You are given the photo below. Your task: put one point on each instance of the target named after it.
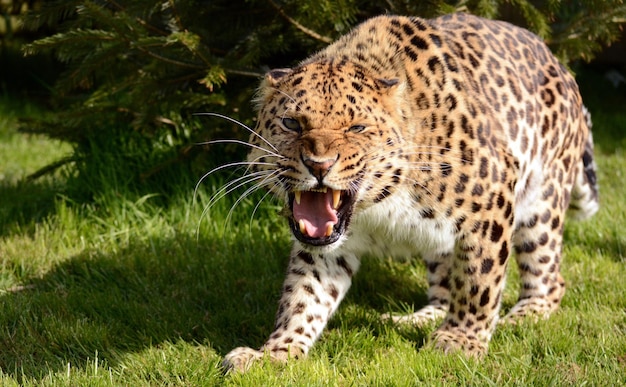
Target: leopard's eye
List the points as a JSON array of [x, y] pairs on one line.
[[357, 128], [292, 124]]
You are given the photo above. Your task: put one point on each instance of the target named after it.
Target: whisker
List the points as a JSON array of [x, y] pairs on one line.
[[270, 153], [210, 114], [256, 208], [229, 165], [235, 184], [286, 95], [229, 188], [268, 179], [295, 108]]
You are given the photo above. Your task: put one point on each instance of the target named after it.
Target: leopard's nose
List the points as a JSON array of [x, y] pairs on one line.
[[319, 168]]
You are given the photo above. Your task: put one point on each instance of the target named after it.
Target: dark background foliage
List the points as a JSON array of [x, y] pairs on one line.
[[130, 74]]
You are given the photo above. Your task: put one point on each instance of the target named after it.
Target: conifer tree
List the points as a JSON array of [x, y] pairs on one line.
[[147, 65]]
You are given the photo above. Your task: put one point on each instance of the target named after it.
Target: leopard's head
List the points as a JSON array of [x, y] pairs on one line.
[[329, 141]]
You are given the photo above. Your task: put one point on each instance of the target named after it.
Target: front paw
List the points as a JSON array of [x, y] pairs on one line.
[[422, 317], [457, 340], [241, 359]]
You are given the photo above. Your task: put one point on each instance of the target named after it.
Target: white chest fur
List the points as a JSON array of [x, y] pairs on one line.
[[396, 228]]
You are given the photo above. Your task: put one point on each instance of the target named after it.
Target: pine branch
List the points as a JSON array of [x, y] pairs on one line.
[[244, 73], [50, 168], [169, 60], [139, 20], [299, 26], [536, 20]]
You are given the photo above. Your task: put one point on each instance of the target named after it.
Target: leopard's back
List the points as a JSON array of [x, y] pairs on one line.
[[484, 68]]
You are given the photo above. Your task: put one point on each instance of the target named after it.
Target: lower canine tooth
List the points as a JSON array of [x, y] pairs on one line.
[[302, 227], [329, 230]]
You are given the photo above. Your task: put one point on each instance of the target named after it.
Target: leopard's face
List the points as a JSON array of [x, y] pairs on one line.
[[333, 145]]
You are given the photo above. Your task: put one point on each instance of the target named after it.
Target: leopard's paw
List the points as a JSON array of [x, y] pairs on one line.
[[241, 359], [456, 340], [533, 309], [422, 317]]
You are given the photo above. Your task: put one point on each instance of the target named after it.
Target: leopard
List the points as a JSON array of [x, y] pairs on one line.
[[457, 140]]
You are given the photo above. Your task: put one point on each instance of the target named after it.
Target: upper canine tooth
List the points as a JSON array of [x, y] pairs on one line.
[[336, 198], [298, 196]]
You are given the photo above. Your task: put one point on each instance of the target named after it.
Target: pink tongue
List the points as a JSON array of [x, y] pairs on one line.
[[316, 210]]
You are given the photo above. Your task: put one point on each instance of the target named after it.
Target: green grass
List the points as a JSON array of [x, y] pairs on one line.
[[118, 283]]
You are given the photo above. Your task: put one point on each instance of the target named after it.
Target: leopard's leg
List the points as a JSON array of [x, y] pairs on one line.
[[438, 267], [538, 242], [477, 280], [314, 287]]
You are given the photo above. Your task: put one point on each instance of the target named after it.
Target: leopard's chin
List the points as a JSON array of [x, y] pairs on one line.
[[319, 217]]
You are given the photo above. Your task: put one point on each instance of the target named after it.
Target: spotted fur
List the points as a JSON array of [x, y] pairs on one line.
[[457, 139]]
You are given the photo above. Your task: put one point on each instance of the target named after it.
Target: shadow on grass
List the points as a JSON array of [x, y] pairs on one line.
[[136, 298], [217, 293], [25, 203], [606, 103]]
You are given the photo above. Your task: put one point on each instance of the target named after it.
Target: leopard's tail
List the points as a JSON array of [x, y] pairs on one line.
[[584, 199]]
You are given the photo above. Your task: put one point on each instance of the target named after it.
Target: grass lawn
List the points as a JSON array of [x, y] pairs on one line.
[[136, 287]]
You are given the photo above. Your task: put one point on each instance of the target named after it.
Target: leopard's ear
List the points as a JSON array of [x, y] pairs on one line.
[[273, 76], [392, 87], [268, 84], [395, 90], [387, 83]]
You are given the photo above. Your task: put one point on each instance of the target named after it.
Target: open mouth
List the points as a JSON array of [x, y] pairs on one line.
[[320, 216]]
